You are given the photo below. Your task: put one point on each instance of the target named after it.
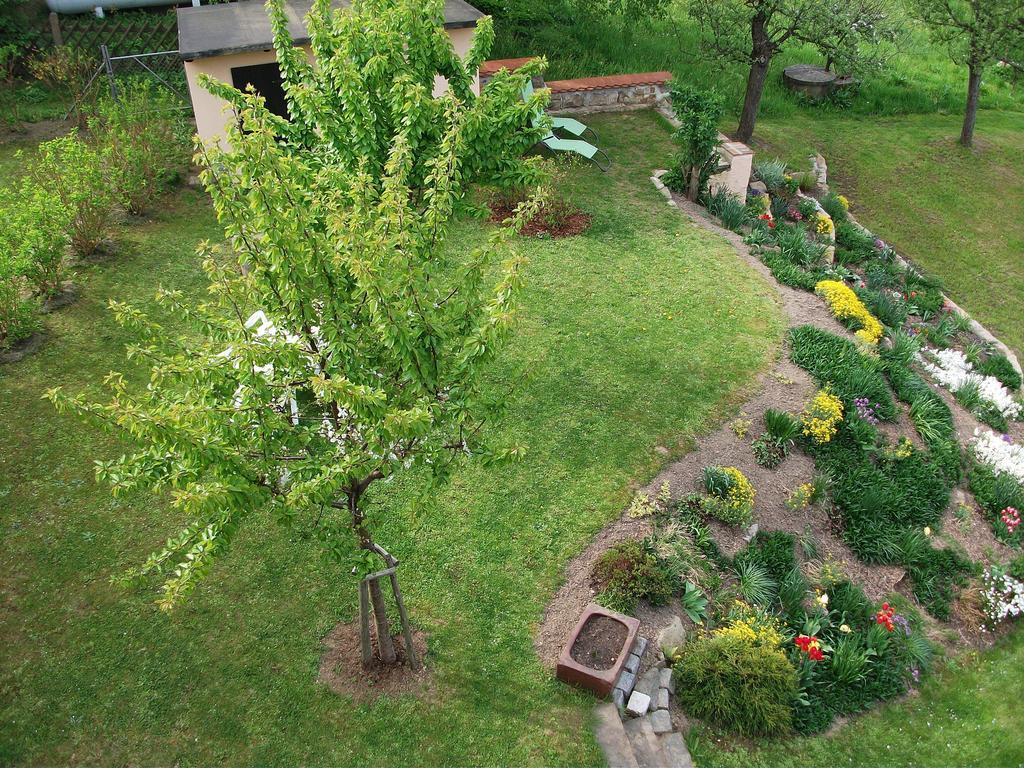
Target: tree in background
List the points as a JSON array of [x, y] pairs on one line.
[[345, 338], [752, 32], [978, 33]]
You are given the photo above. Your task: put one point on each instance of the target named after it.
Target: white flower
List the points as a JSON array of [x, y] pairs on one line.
[[1005, 458], [823, 599], [949, 367]]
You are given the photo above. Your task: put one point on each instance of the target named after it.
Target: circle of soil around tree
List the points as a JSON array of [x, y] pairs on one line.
[[568, 224], [599, 643], [342, 670]]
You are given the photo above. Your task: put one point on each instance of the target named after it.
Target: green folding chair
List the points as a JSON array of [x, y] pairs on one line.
[[595, 155], [567, 124]]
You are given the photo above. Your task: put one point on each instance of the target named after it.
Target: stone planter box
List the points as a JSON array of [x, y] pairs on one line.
[[599, 681]]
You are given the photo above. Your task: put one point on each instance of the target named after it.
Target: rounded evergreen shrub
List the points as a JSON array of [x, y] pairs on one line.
[[738, 683], [628, 573]]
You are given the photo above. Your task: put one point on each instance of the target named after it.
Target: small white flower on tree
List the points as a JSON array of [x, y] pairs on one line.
[[375, 328]]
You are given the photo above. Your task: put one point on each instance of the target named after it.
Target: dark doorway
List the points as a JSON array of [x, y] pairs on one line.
[[266, 79]]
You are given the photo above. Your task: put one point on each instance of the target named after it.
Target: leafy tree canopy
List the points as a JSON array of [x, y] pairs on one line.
[[344, 337]]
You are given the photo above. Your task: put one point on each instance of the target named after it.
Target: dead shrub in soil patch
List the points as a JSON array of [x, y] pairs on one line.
[[556, 218], [342, 671]]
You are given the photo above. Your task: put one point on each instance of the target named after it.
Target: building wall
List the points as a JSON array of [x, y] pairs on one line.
[[213, 115]]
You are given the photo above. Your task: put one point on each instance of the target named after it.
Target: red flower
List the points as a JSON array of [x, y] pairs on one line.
[[809, 645], [815, 654], [884, 617]]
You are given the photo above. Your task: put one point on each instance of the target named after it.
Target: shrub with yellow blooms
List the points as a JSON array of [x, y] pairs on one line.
[[850, 310]]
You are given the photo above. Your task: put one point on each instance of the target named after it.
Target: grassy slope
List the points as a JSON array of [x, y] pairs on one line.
[[640, 332], [957, 213], [963, 716]]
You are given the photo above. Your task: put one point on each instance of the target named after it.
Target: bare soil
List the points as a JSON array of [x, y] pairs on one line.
[[570, 224], [342, 671], [599, 643]]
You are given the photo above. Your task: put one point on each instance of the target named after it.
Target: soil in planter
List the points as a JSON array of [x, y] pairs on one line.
[[599, 643]]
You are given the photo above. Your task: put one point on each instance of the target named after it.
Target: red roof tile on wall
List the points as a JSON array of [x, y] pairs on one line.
[[609, 81]]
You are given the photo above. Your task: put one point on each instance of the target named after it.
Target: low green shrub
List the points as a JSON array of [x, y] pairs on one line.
[[35, 236], [754, 583], [144, 142], [999, 366], [74, 173], [737, 683], [836, 209], [891, 311], [996, 491], [837, 361], [626, 574], [19, 316], [728, 208], [774, 551], [730, 495], [790, 274], [796, 247]]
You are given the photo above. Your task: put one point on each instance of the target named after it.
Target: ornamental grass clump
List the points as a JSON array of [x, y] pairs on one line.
[[850, 310], [821, 418], [730, 495]]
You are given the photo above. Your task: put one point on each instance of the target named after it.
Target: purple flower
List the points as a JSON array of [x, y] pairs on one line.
[[880, 244], [1008, 439], [901, 621], [866, 410], [916, 674]]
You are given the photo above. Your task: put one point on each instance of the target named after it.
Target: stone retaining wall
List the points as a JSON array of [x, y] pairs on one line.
[[611, 99]]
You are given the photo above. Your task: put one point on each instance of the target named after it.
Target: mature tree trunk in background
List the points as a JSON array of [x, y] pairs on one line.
[[761, 51], [971, 113]]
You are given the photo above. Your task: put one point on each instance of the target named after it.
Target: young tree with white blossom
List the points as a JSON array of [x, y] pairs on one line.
[[344, 335]]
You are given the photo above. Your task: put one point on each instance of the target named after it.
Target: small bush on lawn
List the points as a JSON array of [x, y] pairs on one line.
[[144, 142], [738, 679], [18, 313], [730, 495], [74, 173], [628, 573], [836, 361], [34, 235], [999, 365], [774, 551]]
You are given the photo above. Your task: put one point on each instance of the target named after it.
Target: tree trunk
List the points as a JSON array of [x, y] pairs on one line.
[[761, 51], [693, 191], [971, 113], [385, 645]]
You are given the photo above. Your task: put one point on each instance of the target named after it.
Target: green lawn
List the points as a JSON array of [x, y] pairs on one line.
[[957, 213], [640, 333], [965, 716]]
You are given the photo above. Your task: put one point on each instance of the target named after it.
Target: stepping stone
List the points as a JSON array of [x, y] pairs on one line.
[[661, 721], [638, 704], [640, 646], [673, 748], [612, 738], [661, 701], [619, 699], [665, 681], [649, 682], [627, 681], [645, 744]]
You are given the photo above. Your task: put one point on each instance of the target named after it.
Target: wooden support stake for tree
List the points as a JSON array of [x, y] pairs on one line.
[[410, 650], [364, 623]]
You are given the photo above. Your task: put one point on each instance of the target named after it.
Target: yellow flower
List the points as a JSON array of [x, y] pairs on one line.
[[848, 309], [821, 418], [824, 224], [843, 202], [823, 599], [845, 629]]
